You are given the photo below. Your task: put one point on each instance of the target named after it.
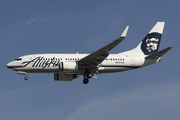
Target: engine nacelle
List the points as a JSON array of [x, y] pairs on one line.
[[64, 77], [69, 66]]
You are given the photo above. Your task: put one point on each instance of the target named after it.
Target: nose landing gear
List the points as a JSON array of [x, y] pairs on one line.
[[23, 73], [26, 77]]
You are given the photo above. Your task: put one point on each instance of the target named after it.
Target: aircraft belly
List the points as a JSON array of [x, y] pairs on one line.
[[40, 70], [113, 69], [47, 70]]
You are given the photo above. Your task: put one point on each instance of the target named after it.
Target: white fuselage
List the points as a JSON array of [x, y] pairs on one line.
[[50, 63]]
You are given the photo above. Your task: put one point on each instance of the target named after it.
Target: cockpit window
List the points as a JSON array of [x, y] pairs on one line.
[[18, 59]]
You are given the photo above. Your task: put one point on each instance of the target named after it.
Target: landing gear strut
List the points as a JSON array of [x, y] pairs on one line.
[[89, 75]]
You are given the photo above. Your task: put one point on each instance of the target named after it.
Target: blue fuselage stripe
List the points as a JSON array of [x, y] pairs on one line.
[[119, 66]]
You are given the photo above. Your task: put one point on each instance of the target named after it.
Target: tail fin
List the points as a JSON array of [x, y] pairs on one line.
[[150, 44]]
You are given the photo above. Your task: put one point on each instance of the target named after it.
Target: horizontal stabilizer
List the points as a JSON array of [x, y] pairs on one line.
[[158, 54]]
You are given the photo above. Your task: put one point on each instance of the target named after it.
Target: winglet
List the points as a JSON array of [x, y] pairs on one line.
[[123, 35]]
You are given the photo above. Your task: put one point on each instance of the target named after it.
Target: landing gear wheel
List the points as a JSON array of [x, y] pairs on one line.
[[85, 81], [26, 77]]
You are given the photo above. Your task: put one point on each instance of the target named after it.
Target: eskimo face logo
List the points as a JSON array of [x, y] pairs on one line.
[[152, 44]]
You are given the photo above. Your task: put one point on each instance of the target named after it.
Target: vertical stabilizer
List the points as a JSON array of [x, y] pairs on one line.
[[150, 44]]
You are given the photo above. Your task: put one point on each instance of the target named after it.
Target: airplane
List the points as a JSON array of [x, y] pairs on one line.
[[67, 67]]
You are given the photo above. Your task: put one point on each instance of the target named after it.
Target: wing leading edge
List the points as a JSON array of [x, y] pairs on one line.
[[92, 60]]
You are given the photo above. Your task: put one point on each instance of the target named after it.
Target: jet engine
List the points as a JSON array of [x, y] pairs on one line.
[[64, 77], [68, 66]]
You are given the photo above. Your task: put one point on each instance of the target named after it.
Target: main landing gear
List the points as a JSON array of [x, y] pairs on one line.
[[85, 81], [87, 75]]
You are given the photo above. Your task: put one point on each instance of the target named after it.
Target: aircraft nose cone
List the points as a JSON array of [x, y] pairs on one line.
[[9, 65]]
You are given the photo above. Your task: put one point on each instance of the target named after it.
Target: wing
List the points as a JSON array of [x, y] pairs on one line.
[[92, 60]]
